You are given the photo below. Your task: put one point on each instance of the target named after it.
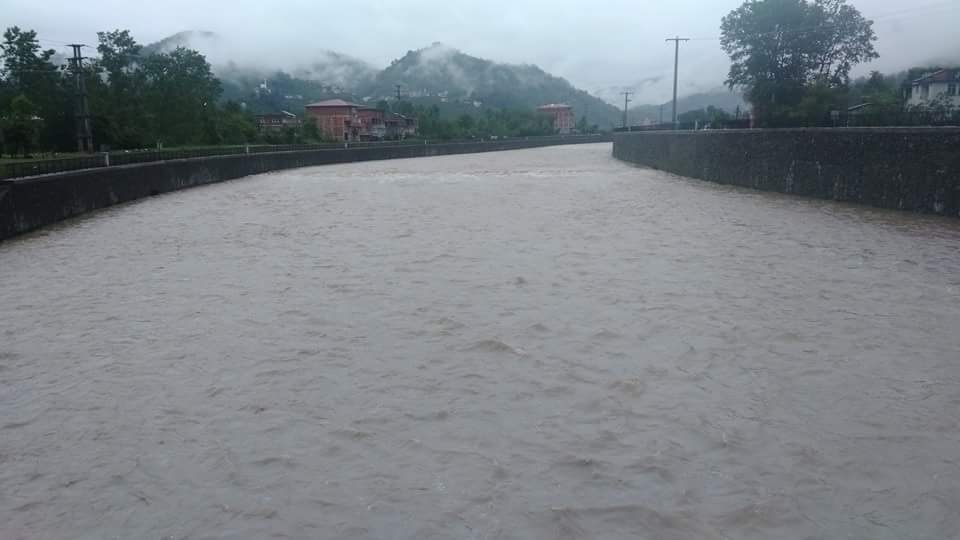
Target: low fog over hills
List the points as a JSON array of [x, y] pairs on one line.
[[438, 73]]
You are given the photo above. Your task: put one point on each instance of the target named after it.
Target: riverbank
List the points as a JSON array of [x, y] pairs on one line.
[[30, 203], [914, 169]]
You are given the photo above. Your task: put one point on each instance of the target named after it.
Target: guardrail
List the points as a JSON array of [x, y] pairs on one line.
[[833, 120], [23, 169]]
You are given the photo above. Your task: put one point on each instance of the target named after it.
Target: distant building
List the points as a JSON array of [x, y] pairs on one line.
[[263, 89], [336, 119], [372, 127], [280, 121], [346, 121], [399, 126], [940, 85], [562, 115]]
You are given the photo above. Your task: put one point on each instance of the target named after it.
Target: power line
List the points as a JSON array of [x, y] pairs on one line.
[[55, 41], [60, 42]]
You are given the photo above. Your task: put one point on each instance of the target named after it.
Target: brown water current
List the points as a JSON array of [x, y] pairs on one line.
[[532, 344]]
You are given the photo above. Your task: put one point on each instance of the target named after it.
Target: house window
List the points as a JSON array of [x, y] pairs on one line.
[[951, 89]]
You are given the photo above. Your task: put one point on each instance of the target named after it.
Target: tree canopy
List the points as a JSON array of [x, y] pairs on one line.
[[137, 100], [779, 49]]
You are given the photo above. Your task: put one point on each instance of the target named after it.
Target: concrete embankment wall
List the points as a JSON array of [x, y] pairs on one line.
[[916, 169], [30, 203]]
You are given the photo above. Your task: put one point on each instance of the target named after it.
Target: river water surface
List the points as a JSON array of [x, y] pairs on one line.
[[533, 344]]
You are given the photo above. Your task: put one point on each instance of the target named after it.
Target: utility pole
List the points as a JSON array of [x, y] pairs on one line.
[[676, 67], [398, 87], [82, 106], [626, 102], [661, 114]]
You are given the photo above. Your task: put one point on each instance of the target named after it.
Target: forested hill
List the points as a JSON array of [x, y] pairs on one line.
[[200, 40], [446, 73], [457, 82], [723, 99]]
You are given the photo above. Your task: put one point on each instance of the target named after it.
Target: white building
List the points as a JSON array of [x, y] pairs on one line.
[[941, 85]]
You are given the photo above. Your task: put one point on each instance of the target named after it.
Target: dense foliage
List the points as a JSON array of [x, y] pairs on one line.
[[136, 100], [492, 123], [457, 77], [790, 56], [144, 97]]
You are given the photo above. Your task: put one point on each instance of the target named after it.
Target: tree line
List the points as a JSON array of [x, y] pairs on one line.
[[793, 58], [171, 99], [136, 100], [432, 124]]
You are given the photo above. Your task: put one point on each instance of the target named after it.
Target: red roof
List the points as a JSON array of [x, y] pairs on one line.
[[333, 103], [944, 75]]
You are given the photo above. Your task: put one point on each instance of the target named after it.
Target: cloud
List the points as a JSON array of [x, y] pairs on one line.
[[603, 44]]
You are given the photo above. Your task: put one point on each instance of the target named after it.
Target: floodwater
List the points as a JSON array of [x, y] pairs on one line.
[[533, 344]]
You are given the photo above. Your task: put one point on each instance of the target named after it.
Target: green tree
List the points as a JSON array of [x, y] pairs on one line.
[[842, 38], [234, 125], [465, 125], [121, 106], [21, 127], [779, 48], [29, 70], [407, 109], [884, 96], [582, 125], [817, 104], [309, 131], [709, 116], [181, 94], [119, 54], [877, 84]]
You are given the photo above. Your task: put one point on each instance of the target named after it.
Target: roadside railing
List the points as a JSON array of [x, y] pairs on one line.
[[23, 169], [831, 120]]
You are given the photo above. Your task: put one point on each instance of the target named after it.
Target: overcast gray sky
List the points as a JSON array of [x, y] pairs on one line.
[[599, 45]]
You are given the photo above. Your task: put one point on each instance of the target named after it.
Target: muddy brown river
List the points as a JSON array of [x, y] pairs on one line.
[[533, 344]]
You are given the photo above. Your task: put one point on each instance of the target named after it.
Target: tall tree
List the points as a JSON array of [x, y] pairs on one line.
[[27, 67], [779, 48], [29, 71], [235, 126], [181, 94], [119, 55], [120, 108], [21, 127], [842, 38]]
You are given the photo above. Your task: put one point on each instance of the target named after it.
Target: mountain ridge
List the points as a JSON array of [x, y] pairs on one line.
[[435, 74], [719, 98], [449, 74]]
